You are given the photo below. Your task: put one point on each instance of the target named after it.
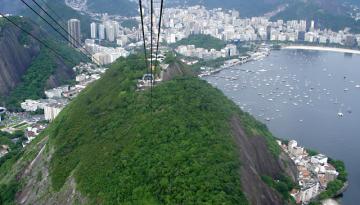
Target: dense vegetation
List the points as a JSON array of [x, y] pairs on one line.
[[113, 7], [8, 191], [190, 159], [46, 63], [335, 186], [181, 153], [130, 23], [14, 141], [33, 82], [283, 185], [323, 18], [202, 41]]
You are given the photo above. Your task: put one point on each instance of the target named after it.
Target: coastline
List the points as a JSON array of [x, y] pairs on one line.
[[257, 55], [319, 48]]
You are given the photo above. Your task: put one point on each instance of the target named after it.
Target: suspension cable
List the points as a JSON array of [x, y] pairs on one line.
[[159, 30], [40, 41], [151, 67], [52, 10], [54, 28], [151, 40], [62, 28], [143, 33]]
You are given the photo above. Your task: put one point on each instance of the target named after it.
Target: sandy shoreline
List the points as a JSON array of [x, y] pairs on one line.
[[318, 48]]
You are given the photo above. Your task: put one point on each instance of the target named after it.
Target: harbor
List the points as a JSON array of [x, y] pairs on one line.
[[298, 94]]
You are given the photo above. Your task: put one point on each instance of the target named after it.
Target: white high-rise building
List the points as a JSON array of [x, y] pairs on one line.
[[110, 32], [116, 26], [93, 30], [101, 31], [51, 111], [74, 32], [312, 27]]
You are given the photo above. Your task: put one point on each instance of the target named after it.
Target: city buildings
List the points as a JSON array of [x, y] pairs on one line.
[[101, 32], [4, 150], [56, 92], [93, 30], [74, 32], [2, 111], [58, 98], [191, 51], [314, 172], [52, 110], [179, 23]]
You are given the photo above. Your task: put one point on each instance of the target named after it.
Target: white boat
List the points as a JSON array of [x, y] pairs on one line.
[[340, 114]]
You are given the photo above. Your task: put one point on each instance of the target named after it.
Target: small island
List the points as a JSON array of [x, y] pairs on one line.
[[319, 177]]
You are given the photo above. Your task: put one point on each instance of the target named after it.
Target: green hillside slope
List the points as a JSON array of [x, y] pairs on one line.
[[202, 41], [114, 7], [107, 147], [179, 154]]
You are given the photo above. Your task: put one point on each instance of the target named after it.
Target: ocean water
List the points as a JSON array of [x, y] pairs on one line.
[[310, 96]]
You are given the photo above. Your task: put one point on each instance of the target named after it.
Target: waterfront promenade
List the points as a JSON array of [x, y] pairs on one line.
[[319, 48]]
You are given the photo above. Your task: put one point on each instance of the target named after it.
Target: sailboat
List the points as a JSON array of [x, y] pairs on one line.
[[340, 114]]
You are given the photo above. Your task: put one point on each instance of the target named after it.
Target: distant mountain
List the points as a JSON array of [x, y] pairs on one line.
[[63, 11], [326, 13], [117, 7], [11, 6]]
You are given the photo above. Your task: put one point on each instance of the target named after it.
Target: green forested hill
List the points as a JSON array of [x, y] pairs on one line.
[[121, 152], [116, 145], [202, 41], [114, 7], [181, 153]]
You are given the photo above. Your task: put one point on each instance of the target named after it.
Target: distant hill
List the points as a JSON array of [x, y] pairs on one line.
[[63, 11], [327, 14], [26, 67], [117, 7], [109, 147], [11, 6], [202, 41]]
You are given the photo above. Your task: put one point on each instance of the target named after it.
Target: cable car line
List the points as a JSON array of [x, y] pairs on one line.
[[159, 30], [143, 33], [40, 41], [62, 28], [62, 35]]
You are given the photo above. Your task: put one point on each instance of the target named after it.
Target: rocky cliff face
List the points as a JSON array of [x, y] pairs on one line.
[[257, 161], [15, 57], [18, 51]]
